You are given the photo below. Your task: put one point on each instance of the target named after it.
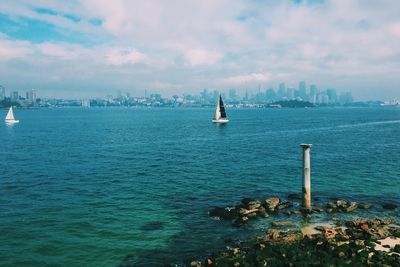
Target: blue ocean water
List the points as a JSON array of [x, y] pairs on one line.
[[132, 186]]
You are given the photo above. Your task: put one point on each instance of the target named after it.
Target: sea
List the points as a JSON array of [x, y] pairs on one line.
[[133, 186]]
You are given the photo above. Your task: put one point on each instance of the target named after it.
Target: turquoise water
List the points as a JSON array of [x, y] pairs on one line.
[[118, 186]]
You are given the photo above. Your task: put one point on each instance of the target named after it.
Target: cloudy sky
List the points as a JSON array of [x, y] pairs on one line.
[[84, 48]]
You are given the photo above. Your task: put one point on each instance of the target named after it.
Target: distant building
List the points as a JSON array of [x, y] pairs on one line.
[[14, 96], [313, 96], [332, 96], [270, 94], [86, 103], [2, 93], [345, 98], [282, 91], [232, 95], [31, 96], [302, 90], [290, 93]]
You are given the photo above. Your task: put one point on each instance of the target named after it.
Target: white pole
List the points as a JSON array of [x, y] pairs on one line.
[[306, 176]]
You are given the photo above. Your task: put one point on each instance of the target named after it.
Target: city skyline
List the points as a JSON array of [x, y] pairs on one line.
[[303, 92], [92, 48]]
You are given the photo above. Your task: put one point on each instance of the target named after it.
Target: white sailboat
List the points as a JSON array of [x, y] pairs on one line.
[[220, 114], [10, 117]]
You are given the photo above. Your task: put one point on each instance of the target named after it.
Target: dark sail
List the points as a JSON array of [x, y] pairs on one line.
[[222, 108]]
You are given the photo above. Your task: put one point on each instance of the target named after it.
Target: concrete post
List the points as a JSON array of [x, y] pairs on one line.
[[306, 176]]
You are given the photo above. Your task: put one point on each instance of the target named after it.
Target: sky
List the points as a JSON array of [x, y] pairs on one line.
[[92, 48]]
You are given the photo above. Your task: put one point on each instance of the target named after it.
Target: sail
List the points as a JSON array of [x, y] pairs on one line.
[[221, 108], [217, 112], [10, 115]]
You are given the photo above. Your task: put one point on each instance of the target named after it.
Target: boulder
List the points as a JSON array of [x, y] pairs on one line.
[[262, 212], [271, 203], [255, 204], [246, 211], [209, 262], [195, 264], [351, 207], [284, 205]]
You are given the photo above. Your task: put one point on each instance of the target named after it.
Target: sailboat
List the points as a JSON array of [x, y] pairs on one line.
[[10, 117], [220, 114]]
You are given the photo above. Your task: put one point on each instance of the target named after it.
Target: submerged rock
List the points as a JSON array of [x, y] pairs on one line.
[[152, 226], [365, 206], [389, 206], [223, 213]]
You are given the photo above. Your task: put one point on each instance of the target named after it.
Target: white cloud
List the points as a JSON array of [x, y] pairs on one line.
[[123, 56], [197, 57], [13, 49], [206, 43], [248, 78]]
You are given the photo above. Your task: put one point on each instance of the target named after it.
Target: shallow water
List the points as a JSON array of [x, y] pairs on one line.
[[104, 187]]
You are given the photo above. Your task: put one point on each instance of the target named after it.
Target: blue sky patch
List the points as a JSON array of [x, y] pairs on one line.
[[37, 31]]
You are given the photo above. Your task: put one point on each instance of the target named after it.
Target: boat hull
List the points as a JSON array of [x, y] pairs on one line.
[[11, 121], [220, 121]]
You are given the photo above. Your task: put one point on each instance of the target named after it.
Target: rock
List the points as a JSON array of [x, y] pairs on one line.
[[235, 251], [262, 212], [281, 237], [292, 236], [389, 206], [284, 205], [359, 242], [253, 204], [247, 200], [271, 203], [195, 264], [240, 221], [246, 212], [252, 215], [342, 204], [223, 213], [317, 209], [283, 224], [365, 206], [209, 262], [351, 207]]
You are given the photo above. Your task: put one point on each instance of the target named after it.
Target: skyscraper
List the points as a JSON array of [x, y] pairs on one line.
[[14, 96], [282, 90], [302, 90], [2, 93], [332, 95], [31, 96], [313, 96], [290, 93]]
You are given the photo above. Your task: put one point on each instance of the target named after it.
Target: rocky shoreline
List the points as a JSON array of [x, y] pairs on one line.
[[356, 242]]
